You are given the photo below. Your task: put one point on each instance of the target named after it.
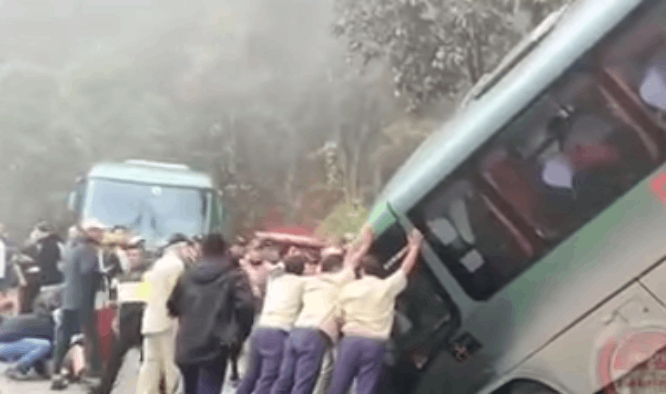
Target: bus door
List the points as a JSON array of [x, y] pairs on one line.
[[425, 318]]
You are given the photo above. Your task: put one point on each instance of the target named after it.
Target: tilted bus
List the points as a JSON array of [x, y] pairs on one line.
[[543, 205]]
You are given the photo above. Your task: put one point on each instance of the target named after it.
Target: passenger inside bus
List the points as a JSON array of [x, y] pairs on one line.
[[653, 86], [555, 168], [636, 63], [464, 226]]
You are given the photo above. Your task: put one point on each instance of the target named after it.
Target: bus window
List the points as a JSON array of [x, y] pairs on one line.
[[473, 237], [635, 63], [543, 176]]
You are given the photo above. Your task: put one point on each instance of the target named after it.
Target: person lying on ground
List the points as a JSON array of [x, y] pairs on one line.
[[27, 340], [32, 353], [39, 324]]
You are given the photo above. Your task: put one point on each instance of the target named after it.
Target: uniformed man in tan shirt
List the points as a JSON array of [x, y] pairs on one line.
[[157, 327], [366, 309], [316, 329], [282, 304]]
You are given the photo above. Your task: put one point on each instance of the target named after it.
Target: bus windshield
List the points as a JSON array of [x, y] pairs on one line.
[[154, 211]]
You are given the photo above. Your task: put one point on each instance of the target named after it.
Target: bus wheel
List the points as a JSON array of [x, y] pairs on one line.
[[523, 386]]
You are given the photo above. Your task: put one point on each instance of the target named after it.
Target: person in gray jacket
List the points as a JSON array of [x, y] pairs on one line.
[[81, 281]]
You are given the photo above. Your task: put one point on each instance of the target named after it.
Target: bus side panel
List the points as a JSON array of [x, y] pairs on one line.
[[655, 281], [577, 360]]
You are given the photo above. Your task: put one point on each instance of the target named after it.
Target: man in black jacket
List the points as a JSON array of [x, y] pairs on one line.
[[45, 247], [214, 304]]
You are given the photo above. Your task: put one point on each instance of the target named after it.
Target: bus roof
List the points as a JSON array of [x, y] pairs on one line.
[[145, 172], [446, 149]]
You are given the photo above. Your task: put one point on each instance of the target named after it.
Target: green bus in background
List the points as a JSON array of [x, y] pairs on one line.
[[543, 206], [152, 199]]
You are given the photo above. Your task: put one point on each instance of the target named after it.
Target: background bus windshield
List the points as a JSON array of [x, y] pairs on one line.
[[151, 210]]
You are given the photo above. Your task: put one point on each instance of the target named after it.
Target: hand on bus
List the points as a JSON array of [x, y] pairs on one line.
[[359, 249], [413, 250], [415, 239]]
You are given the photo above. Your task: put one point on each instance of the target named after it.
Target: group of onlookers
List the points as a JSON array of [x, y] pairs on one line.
[[324, 312]]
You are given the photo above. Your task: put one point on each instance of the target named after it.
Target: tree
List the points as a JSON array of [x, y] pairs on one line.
[[435, 48]]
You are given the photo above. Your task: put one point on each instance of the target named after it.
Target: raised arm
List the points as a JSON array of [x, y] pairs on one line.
[[413, 250], [359, 248]]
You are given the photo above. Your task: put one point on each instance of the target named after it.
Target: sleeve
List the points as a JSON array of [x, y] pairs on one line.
[[173, 303], [244, 305], [86, 263], [343, 277], [396, 283], [275, 271]]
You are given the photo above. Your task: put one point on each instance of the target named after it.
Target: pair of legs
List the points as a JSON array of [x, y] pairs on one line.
[[266, 349], [303, 355], [205, 378], [326, 372], [128, 337], [360, 359], [158, 360], [26, 353], [72, 320]]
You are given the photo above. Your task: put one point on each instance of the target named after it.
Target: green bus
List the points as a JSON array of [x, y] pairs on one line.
[[543, 206], [150, 198]]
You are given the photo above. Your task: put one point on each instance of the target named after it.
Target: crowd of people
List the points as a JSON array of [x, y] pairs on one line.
[[312, 317]]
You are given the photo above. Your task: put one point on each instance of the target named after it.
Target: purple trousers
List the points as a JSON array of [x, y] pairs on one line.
[[360, 359], [266, 348], [303, 354]]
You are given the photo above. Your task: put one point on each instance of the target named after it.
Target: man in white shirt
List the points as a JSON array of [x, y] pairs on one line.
[[366, 308], [316, 330], [157, 326], [282, 304]]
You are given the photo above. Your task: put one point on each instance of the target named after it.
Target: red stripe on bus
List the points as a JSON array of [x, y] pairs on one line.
[[658, 186]]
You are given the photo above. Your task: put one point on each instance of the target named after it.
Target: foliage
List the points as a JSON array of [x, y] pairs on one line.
[[344, 219], [243, 93], [435, 47]]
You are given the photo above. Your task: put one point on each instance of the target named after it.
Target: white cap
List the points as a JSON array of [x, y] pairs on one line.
[[93, 224]]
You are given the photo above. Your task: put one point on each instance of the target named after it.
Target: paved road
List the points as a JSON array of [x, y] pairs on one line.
[[125, 384]]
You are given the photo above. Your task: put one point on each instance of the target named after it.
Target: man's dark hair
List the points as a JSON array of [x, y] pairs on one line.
[[44, 226], [372, 266], [271, 253], [213, 245], [331, 263], [295, 264]]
